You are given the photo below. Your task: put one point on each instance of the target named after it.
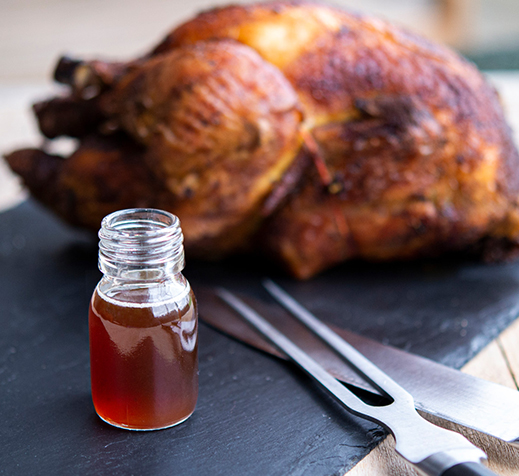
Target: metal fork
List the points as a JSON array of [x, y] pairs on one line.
[[431, 449]]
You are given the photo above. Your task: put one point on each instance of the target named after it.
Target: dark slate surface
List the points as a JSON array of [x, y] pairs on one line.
[[255, 415]]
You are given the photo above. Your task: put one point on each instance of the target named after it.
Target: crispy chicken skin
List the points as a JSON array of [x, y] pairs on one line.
[[315, 134], [220, 126]]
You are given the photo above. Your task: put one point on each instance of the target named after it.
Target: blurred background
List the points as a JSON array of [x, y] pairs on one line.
[[34, 33]]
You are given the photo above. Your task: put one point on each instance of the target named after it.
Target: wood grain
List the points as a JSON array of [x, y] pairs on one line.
[[509, 346]]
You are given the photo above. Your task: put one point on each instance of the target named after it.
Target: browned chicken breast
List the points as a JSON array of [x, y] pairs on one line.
[[311, 133]]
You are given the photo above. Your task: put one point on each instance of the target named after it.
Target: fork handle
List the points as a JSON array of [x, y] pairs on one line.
[[468, 469]]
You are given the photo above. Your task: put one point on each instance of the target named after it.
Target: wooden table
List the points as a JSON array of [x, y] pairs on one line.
[[498, 362]]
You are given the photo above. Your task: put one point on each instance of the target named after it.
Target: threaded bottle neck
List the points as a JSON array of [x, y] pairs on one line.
[[140, 244]]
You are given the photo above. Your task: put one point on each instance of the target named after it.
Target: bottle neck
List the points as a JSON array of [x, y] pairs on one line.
[[140, 245]]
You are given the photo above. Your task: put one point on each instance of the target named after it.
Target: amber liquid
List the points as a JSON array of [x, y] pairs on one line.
[[144, 362]]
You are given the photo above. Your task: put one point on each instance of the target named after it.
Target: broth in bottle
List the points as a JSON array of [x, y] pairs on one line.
[[143, 324]]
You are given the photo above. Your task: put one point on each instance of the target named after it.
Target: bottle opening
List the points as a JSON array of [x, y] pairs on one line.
[[139, 239], [139, 220]]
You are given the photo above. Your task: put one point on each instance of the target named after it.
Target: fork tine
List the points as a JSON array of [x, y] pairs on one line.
[[357, 361], [299, 356]]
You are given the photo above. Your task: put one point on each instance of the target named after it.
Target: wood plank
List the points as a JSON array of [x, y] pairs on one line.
[[509, 344], [383, 461], [491, 365]]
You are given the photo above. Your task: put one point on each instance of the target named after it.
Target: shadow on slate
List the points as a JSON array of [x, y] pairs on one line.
[[255, 414]]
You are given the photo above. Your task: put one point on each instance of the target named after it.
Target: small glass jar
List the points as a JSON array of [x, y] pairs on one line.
[[143, 324]]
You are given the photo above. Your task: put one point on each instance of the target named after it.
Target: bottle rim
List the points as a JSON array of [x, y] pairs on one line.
[[138, 238], [139, 221]]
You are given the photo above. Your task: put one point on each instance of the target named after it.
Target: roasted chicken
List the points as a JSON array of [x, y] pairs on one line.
[[307, 132]]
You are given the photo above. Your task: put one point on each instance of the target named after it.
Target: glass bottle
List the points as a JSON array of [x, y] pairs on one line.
[[143, 324]]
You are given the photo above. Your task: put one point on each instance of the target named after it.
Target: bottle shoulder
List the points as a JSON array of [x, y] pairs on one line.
[[143, 306], [143, 293]]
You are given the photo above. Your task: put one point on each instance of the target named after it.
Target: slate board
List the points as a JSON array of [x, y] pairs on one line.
[[255, 414]]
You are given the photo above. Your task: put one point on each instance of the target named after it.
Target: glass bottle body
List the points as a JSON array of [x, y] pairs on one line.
[[143, 346]]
